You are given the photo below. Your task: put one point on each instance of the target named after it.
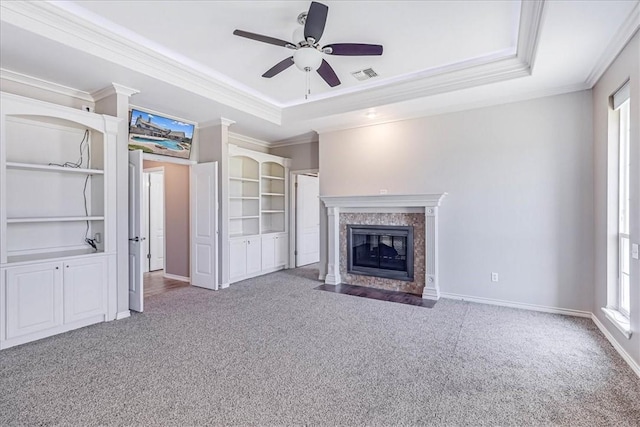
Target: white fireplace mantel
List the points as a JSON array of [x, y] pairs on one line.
[[386, 203]]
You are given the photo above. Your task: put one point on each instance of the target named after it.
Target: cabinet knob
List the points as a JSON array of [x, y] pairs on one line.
[[67, 266], [57, 268]]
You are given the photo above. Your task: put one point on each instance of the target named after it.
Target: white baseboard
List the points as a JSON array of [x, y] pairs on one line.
[[123, 315], [554, 310], [224, 285], [176, 277], [524, 306], [634, 365]]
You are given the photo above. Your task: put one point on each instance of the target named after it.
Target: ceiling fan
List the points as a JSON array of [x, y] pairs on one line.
[[308, 53]]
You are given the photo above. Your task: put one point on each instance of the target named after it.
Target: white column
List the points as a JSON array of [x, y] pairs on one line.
[[431, 286], [333, 232]]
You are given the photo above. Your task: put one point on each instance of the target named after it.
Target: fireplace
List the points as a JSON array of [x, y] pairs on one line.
[[380, 250]]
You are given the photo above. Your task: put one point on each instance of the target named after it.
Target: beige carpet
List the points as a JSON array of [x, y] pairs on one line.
[[273, 351]]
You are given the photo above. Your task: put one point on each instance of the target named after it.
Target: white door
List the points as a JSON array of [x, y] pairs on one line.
[[136, 292], [156, 221], [282, 251], [307, 220], [204, 225], [145, 221], [268, 252]]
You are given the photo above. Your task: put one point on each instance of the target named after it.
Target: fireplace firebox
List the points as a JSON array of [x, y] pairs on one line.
[[381, 251]]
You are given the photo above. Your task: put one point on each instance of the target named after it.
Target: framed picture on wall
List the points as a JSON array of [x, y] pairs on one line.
[[160, 135]]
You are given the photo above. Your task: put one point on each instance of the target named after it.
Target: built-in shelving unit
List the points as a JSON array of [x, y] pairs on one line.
[[57, 189], [258, 213]]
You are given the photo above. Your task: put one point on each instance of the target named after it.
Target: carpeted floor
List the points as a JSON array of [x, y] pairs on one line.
[[273, 351]]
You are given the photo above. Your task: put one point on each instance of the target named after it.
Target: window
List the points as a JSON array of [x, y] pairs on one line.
[[623, 209], [618, 304]]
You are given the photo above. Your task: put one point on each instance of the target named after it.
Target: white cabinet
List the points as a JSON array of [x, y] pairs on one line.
[[258, 213], [84, 288], [274, 251], [43, 299], [33, 298], [57, 218], [245, 258]]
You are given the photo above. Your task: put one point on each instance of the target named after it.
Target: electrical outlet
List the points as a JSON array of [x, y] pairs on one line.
[[383, 191], [97, 238], [494, 277]]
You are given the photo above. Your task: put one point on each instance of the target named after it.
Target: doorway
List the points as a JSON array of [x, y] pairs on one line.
[[305, 221], [153, 222]]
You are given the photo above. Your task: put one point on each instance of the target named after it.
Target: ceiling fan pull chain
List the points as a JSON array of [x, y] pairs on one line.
[[308, 92]]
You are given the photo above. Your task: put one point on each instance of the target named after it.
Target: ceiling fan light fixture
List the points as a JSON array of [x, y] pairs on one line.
[[307, 58]]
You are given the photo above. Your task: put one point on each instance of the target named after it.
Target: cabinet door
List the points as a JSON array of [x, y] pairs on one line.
[[237, 258], [34, 298], [268, 252], [254, 259], [85, 286], [282, 246]]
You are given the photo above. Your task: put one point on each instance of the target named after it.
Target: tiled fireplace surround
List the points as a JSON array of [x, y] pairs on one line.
[[417, 210]]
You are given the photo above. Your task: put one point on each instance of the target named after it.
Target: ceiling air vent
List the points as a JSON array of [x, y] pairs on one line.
[[365, 74]]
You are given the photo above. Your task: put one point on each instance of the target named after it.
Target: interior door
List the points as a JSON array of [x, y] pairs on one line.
[[307, 220], [136, 291], [204, 225], [145, 222], [156, 221]]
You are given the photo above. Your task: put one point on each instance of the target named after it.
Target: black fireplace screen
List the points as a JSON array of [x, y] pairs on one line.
[[381, 251]]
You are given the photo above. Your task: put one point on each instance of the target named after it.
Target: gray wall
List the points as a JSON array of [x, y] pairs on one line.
[[176, 208], [303, 156], [520, 184], [626, 66]]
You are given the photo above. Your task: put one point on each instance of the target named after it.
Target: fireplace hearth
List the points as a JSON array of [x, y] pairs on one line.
[[380, 251]]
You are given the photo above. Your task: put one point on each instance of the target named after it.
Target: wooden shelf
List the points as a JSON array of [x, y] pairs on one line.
[[273, 211], [273, 194], [54, 219], [51, 168], [244, 198], [244, 217], [280, 178]]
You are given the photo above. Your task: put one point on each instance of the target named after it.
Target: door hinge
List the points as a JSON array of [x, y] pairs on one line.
[[295, 252], [148, 256]]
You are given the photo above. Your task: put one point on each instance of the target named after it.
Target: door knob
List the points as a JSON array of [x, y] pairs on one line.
[[137, 239]]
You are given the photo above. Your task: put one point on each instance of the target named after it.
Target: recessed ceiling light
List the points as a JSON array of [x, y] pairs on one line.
[[370, 114]]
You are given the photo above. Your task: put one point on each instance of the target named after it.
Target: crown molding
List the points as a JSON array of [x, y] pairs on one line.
[[296, 140], [52, 21], [618, 42], [249, 140], [217, 122], [45, 85], [531, 16], [114, 89], [434, 111]]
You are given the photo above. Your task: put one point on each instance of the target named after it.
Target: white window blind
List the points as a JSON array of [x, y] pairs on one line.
[[621, 95]]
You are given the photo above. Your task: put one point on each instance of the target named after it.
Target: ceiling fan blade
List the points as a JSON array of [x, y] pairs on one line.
[[264, 39], [327, 73], [354, 49], [279, 67], [316, 18]]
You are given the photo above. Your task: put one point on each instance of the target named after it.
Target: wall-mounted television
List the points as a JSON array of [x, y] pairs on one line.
[[155, 134]]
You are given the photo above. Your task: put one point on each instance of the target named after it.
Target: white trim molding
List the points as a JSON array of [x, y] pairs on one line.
[[423, 203], [616, 318], [518, 305], [45, 85], [114, 89], [627, 358], [249, 140], [123, 315], [618, 42]]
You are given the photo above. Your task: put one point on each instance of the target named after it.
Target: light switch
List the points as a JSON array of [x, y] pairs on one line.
[[634, 250]]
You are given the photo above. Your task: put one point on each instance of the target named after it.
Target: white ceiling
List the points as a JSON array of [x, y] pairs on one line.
[[438, 55]]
